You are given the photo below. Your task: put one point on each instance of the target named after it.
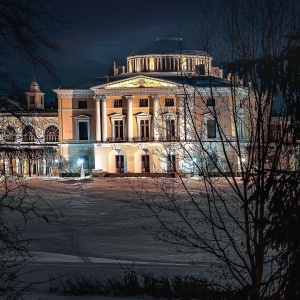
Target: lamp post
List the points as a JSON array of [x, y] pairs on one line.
[[80, 163]]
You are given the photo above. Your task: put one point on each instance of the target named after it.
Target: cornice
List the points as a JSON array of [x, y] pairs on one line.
[[74, 93], [136, 92]]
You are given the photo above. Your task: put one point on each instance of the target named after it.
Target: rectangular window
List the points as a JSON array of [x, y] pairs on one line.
[[211, 129], [31, 100], [210, 102], [170, 129], [83, 131], [171, 163], [169, 102], [143, 102], [275, 132], [119, 163], [145, 163], [119, 130], [144, 129], [118, 103], [82, 104]]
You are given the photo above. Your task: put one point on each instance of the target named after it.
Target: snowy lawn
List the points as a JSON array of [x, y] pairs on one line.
[[94, 228]]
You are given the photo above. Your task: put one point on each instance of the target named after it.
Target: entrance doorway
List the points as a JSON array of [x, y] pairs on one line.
[[145, 164], [119, 163]]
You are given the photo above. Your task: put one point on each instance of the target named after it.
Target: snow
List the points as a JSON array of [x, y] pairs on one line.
[[95, 229]]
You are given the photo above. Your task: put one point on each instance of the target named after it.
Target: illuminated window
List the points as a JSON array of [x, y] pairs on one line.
[[10, 134], [143, 102], [28, 134], [51, 134]]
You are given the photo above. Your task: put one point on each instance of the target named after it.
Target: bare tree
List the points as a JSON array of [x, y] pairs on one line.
[[240, 136], [24, 27]]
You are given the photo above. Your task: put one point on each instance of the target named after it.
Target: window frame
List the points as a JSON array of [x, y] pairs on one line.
[[118, 103], [143, 102], [209, 128], [82, 119], [82, 104], [171, 104]]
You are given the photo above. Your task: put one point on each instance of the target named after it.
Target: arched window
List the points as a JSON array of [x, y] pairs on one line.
[[51, 134], [10, 134], [28, 134]]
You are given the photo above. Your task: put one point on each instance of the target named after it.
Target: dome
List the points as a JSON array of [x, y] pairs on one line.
[[167, 54], [166, 45], [34, 86]]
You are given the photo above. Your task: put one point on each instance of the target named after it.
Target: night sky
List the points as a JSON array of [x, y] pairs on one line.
[[96, 33]]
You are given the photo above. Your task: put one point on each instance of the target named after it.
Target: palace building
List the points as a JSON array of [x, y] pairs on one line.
[[148, 119], [135, 121]]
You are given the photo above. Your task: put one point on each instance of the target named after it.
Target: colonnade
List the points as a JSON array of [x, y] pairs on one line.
[[165, 63], [101, 117]]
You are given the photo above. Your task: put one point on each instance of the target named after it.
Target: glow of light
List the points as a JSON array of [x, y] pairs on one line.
[[80, 162]]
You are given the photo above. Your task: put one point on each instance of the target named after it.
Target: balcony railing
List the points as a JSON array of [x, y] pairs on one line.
[[142, 139], [116, 140]]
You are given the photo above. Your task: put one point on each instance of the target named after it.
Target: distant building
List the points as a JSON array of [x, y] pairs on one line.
[[29, 136]]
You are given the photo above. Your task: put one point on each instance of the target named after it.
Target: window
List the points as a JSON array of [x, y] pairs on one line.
[[145, 164], [169, 102], [144, 127], [51, 134], [143, 102], [119, 163], [31, 101], [275, 132], [211, 129], [170, 129], [118, 103], [82, 104], [210, 102], [83, 130], [171, 163], [119, 132], [28, 134], [10, 134]]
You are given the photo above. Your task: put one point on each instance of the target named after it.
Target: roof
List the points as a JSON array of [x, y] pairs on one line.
[[167, 45]]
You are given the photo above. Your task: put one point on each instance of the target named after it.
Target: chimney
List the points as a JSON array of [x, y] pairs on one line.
[[121, 69], [112, 69]]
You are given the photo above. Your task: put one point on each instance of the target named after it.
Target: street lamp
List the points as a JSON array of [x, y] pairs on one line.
[[80, 163]]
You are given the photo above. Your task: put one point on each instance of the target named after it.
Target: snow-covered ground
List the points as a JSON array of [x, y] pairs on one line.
[[95, 229]]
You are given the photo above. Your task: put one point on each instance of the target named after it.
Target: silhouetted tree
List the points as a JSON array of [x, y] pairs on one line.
[[23, 38], [240, 221]]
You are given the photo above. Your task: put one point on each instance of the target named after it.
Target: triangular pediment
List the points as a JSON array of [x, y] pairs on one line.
[[137, 82]]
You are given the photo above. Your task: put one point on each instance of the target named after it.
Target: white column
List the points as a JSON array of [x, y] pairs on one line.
[[129, 116], [98, 120], [104, 119], [155, 120]]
